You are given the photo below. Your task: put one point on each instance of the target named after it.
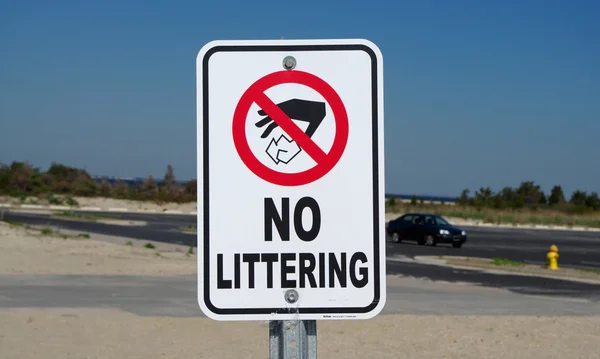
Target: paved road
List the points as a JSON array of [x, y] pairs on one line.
[[160, 228], [526, 285], [176, 296], [577, 249]]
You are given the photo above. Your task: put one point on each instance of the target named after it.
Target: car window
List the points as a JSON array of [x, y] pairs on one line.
[[418, 220], [430, 220], [408, 218], [441, 221]]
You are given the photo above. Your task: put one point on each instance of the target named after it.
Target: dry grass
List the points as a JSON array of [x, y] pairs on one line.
[[488, 215]]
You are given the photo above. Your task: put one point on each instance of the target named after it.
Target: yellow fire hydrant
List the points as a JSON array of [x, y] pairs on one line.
[[552, 257]]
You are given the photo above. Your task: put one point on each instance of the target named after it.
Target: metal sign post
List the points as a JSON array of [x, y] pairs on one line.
[[291, 217], [293, 339]]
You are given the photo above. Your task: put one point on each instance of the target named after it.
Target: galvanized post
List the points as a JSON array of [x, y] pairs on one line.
[[293, 339]]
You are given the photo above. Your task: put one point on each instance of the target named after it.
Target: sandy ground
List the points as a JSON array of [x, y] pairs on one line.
[[110, 203], [24, 251], [109, 333], [135, 205], [103, 333]]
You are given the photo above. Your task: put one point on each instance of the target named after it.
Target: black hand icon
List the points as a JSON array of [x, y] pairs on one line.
[[301, 110]]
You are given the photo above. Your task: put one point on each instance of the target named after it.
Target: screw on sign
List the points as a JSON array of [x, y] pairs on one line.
[[299, 153], [280, 115]]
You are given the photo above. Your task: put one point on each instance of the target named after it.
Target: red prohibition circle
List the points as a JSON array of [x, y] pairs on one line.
[[256, 93]]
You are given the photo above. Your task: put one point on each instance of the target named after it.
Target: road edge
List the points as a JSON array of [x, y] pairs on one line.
[[435, 260]]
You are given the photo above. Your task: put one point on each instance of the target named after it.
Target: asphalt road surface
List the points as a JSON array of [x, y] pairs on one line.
[[577, 249], [161, 228], [526, 285], [176, 296]]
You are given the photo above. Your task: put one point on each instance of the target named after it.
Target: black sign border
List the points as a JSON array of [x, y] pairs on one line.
[[205, 176]]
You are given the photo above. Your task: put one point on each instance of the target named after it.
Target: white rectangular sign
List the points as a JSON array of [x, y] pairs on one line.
[[290, 180]]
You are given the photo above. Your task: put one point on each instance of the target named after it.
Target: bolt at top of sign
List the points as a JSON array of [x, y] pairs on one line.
[[298, 142], [289, 63]]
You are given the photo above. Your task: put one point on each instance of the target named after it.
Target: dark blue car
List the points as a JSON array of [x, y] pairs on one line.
[[425, 229]]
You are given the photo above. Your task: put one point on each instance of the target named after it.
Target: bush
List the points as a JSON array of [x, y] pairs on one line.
[[22, 180], [413, 200], [53, 200]]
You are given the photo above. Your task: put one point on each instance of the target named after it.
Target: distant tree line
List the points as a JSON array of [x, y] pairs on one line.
[[22, 179], [528, 195]]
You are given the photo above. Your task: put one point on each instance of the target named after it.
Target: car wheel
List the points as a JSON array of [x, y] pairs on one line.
[[396, 237], [457, 245], [429, 240]]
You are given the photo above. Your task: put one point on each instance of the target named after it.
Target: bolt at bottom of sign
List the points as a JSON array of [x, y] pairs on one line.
[[291, 296]]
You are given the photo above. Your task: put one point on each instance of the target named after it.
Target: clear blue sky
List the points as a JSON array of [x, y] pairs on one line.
[[478, 93]]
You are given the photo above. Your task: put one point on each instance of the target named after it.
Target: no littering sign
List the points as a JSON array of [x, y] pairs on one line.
[[290, 180]]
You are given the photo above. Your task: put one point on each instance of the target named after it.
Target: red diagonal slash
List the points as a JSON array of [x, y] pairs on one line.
[[287, 125]]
